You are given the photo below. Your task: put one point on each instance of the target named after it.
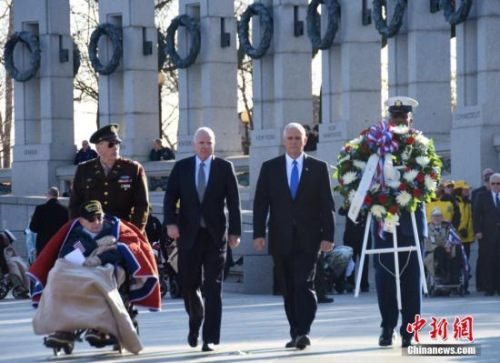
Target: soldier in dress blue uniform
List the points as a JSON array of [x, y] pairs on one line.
[[118, 183], [400, 113]]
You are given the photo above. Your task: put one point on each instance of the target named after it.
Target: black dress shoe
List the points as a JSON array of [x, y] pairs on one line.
[[291, 344], [405, 342], [193, 340], [206, 347], [324, 299], [302, 341], [386, 337]]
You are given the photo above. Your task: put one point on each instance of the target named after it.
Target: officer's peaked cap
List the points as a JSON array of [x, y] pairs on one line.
[[106, 133], [401, 104]]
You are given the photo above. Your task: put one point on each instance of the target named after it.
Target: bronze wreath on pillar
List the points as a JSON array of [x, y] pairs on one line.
[[392, 29], [314, 23], [115, 35], [194, 29], [32, 42], [460, 15], [266, 23]]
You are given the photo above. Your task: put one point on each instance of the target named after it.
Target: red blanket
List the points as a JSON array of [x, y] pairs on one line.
[[144, 289]]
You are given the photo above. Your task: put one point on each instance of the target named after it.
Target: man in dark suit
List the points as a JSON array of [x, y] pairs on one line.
[[48, 218], [487, 173], [295, 189], [203, 185], [487, 228], [400, 113]]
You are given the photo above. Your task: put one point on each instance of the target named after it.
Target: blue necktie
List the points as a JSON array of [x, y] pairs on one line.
[[294, 179], [497, 202]]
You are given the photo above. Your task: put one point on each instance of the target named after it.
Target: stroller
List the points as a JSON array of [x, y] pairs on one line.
[[450, 270], [165, 251], [18, 281], [332, 268], [166, 260]]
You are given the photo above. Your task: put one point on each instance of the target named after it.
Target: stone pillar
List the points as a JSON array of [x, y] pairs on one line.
[[208, 88], [351, 81], [398, 58], [429, 73], [129, 96], [282, 93], [476, 121], [282, 88], [351, 75], [44, 137], [488, 75]]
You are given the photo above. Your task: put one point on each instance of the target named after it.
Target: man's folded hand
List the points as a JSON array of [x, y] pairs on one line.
[[106, 241], [92, 261]]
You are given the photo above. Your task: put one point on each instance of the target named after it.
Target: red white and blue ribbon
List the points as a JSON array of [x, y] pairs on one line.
[[381, 136]]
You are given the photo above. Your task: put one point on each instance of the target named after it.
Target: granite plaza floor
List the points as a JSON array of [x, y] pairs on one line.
[[255, 330]]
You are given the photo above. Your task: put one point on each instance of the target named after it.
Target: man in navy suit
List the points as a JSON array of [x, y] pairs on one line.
[[400, 113], [203, 184], [295, 190], [487, 228]]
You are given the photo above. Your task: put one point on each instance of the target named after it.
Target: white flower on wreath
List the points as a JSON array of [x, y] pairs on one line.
[[345, 158], [349, 177], [405, 155], [422, 160], [378, 211], [359, 164], [393, 183], [375, 187], [410, 175], [356, 141], [400, 129], [351, 195], [404, 198], [430, 184], [422, 139]]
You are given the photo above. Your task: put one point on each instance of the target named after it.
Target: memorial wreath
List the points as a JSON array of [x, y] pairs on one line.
[[404, 170]]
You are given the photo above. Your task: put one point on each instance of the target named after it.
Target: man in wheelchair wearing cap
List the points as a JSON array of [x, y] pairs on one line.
[[79, 273]]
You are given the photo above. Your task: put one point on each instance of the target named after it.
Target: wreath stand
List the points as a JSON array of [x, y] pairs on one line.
[[395, 250]]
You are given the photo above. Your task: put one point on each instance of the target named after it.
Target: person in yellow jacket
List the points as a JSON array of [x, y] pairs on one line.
[[466, 227]]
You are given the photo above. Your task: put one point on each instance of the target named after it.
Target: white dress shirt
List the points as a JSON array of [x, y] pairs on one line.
[[289, 166], [495, 198]]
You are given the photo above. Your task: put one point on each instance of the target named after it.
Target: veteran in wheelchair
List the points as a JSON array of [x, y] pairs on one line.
[[88, 279]]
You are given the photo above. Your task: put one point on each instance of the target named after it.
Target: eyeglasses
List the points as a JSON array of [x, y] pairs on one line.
[[94, 219], [494, 183], [112, 144]]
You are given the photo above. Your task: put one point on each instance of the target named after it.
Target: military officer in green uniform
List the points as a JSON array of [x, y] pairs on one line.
[[118, 183]]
